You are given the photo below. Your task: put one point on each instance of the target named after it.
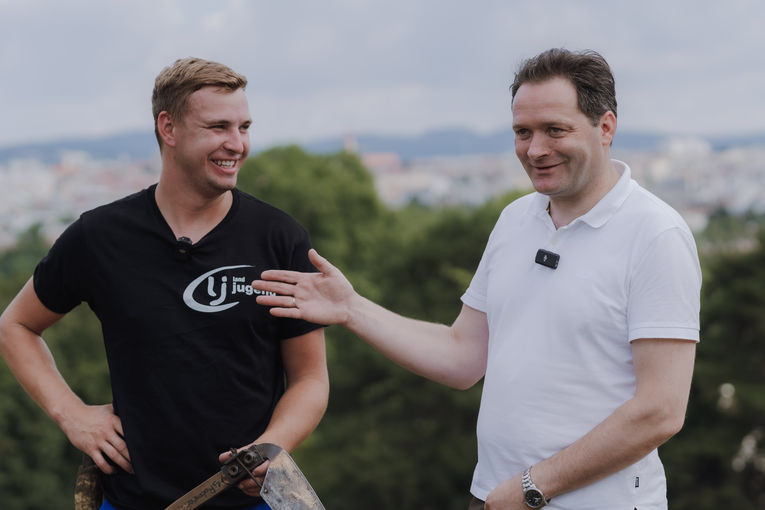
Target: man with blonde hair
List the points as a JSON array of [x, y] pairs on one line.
[[196, 365]]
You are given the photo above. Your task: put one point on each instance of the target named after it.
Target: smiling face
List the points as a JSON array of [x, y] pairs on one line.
[[564, 154], [211, 141]]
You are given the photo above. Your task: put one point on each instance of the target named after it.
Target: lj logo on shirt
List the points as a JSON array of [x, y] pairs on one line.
[[218, 290]]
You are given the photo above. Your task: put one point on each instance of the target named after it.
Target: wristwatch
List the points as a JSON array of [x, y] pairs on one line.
[[532, 496]]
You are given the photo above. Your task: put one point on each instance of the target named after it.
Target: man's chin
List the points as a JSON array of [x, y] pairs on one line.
[[544, 186], [219, 187]]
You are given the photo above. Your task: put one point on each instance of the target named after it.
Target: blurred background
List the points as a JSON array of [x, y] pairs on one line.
[[384, 128]]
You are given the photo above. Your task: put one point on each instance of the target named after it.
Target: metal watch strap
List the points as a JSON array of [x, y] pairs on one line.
[[528, 487]]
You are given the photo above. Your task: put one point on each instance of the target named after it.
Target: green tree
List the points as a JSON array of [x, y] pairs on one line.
[[332, 196], [389, 439], [392, 439], [718, 460], [37, 463]]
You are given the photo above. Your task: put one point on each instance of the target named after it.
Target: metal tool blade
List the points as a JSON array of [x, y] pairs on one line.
[[285, 486]]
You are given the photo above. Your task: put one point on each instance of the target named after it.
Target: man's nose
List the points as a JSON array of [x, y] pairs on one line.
[[236, 141], [538, 147]]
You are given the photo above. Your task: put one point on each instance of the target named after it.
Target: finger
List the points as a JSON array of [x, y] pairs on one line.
[[277, 301], [276, 287], [260, 470], [280, 275], [269, 300], [101, 462], [249, 483], [120, 443], [320, 262], [120, 451], [289, 313], [251, 489], [116, 457]]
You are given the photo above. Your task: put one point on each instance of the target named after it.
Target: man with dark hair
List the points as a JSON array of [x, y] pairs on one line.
[[587, 71], [196, 365], [582, 317]]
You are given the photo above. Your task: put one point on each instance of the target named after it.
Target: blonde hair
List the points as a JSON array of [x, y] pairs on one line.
[[175, 83]]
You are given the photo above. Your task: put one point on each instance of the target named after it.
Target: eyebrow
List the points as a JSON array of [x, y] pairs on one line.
[[215, 122]]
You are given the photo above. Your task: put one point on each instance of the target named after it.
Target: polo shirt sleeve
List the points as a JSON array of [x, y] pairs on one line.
[[476, 294], [664, 291], [290, 328]]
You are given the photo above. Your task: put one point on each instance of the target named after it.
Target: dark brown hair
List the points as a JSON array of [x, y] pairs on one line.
[[587, 70]]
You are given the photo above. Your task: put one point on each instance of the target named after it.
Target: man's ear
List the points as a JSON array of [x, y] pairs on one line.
[[166, 128], [607, 125]]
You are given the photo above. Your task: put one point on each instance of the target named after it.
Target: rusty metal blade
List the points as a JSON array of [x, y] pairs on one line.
[[285, 486]]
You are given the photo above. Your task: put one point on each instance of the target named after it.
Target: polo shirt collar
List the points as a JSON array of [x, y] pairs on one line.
[[606, 207]]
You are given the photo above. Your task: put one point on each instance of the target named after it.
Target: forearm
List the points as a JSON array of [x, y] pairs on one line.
[[93, 429], [297, 413], [663, 369], [630, 433], [31, 362], [425, 348]]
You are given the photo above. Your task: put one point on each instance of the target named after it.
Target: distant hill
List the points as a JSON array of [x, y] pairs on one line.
[[440, 142], [133, 146], [457, 141]]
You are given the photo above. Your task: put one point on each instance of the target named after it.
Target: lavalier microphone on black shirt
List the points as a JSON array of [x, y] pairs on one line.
[[547, 258], [183, 248]]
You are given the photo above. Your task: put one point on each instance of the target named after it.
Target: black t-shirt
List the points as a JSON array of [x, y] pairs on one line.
[[194, 361]]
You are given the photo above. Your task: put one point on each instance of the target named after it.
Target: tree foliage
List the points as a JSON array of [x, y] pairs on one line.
[[391, 439], [721, 451], [37, 463]]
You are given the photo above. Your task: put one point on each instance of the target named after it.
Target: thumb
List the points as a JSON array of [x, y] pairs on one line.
[[320, 262]]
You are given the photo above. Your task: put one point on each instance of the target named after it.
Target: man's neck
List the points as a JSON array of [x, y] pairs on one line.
[[564, 210], [188, 214]]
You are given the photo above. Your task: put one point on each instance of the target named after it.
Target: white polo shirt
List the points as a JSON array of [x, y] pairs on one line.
[[560, 359]]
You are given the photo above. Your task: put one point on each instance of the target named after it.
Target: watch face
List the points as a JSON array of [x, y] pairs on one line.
[[534, 498]]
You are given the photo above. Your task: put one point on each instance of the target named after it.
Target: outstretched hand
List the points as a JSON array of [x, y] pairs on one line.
[[322, 298]]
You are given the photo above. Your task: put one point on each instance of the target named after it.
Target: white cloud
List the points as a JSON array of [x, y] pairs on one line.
[[325, 68]]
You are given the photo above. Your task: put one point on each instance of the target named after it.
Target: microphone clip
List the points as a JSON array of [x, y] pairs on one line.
[[183, 249], [547, 258]]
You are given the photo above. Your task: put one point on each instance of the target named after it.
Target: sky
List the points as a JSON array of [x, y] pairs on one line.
[[325, 68]]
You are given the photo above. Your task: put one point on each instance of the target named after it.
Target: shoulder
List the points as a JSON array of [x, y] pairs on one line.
[[655, 226], [522, 205], [253, 207], [523, 208], [647, 212], [130, 206]]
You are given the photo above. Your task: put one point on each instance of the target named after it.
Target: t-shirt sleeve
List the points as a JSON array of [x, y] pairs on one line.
[[664, 294], [291, 328], [59, 275]]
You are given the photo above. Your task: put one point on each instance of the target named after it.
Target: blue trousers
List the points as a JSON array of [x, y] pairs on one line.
[[263, 506]]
